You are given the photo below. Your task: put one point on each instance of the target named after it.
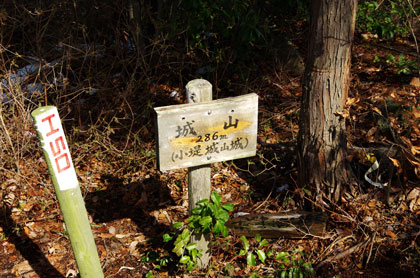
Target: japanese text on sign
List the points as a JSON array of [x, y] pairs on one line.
[[218, 143], [202, 133]]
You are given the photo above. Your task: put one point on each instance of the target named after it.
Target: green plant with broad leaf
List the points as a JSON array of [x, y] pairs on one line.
[[293, 265], [253, 253], [209, 216], [386, 19], [402, 64], [288, 264], [150, 274], [156, 258]]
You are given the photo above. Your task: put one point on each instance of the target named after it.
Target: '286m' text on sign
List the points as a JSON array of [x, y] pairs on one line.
[[202, 133]]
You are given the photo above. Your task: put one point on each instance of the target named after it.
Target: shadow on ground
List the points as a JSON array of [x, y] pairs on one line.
[[135, 201], [26, 247]]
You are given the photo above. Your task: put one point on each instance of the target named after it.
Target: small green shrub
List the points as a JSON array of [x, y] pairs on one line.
[[402, 64], [208, 216], [156, 258], [293, 265], [250, 254], [387, 19], [288, 264]]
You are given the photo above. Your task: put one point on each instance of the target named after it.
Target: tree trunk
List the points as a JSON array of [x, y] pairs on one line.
[[322, 138]]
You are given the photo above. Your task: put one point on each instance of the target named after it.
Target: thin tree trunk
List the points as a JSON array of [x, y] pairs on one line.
[[322, 138]]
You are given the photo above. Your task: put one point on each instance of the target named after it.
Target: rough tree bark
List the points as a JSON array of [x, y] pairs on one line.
[[322, 137]]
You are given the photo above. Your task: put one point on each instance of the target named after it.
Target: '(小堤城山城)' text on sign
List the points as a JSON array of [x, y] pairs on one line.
[[202, 133]]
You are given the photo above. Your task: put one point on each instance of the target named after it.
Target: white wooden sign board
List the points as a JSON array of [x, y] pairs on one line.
[[202, 133]]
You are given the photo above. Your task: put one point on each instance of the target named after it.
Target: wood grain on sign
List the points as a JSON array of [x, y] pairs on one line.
[[201, 133]]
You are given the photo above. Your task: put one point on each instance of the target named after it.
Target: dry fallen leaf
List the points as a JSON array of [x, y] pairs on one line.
[[344, 114], [352, 100], [51, 250], [391, 234], [415, 112], [406, 141], [413, 161], [373, 69], [417, 172], [112, 230], [105, 235], [102, 251], [415, 150], [371, 131], [395, 162], [132, 248], [372, 203], [415, 82], [414, 205], [376, 109], [22, 268], [414, 199]]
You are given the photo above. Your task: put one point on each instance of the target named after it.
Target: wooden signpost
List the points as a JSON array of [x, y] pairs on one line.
[[202, 132], [63, 175]]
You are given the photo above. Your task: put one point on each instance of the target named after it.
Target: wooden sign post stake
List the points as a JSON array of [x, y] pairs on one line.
[[199, 185], [66, 186], [202, 132]]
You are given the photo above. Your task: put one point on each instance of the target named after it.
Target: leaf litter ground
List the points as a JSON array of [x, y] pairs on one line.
[[131, 204]]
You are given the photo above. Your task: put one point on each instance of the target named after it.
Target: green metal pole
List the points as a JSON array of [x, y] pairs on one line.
[[56, 152]]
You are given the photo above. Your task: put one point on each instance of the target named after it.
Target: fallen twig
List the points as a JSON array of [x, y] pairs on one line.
[[343, 254]]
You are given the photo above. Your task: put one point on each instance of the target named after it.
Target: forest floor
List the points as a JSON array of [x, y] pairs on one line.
[[131, 204]]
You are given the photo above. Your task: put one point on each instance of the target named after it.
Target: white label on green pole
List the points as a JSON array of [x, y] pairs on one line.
[[60, 166], [54, 142]]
